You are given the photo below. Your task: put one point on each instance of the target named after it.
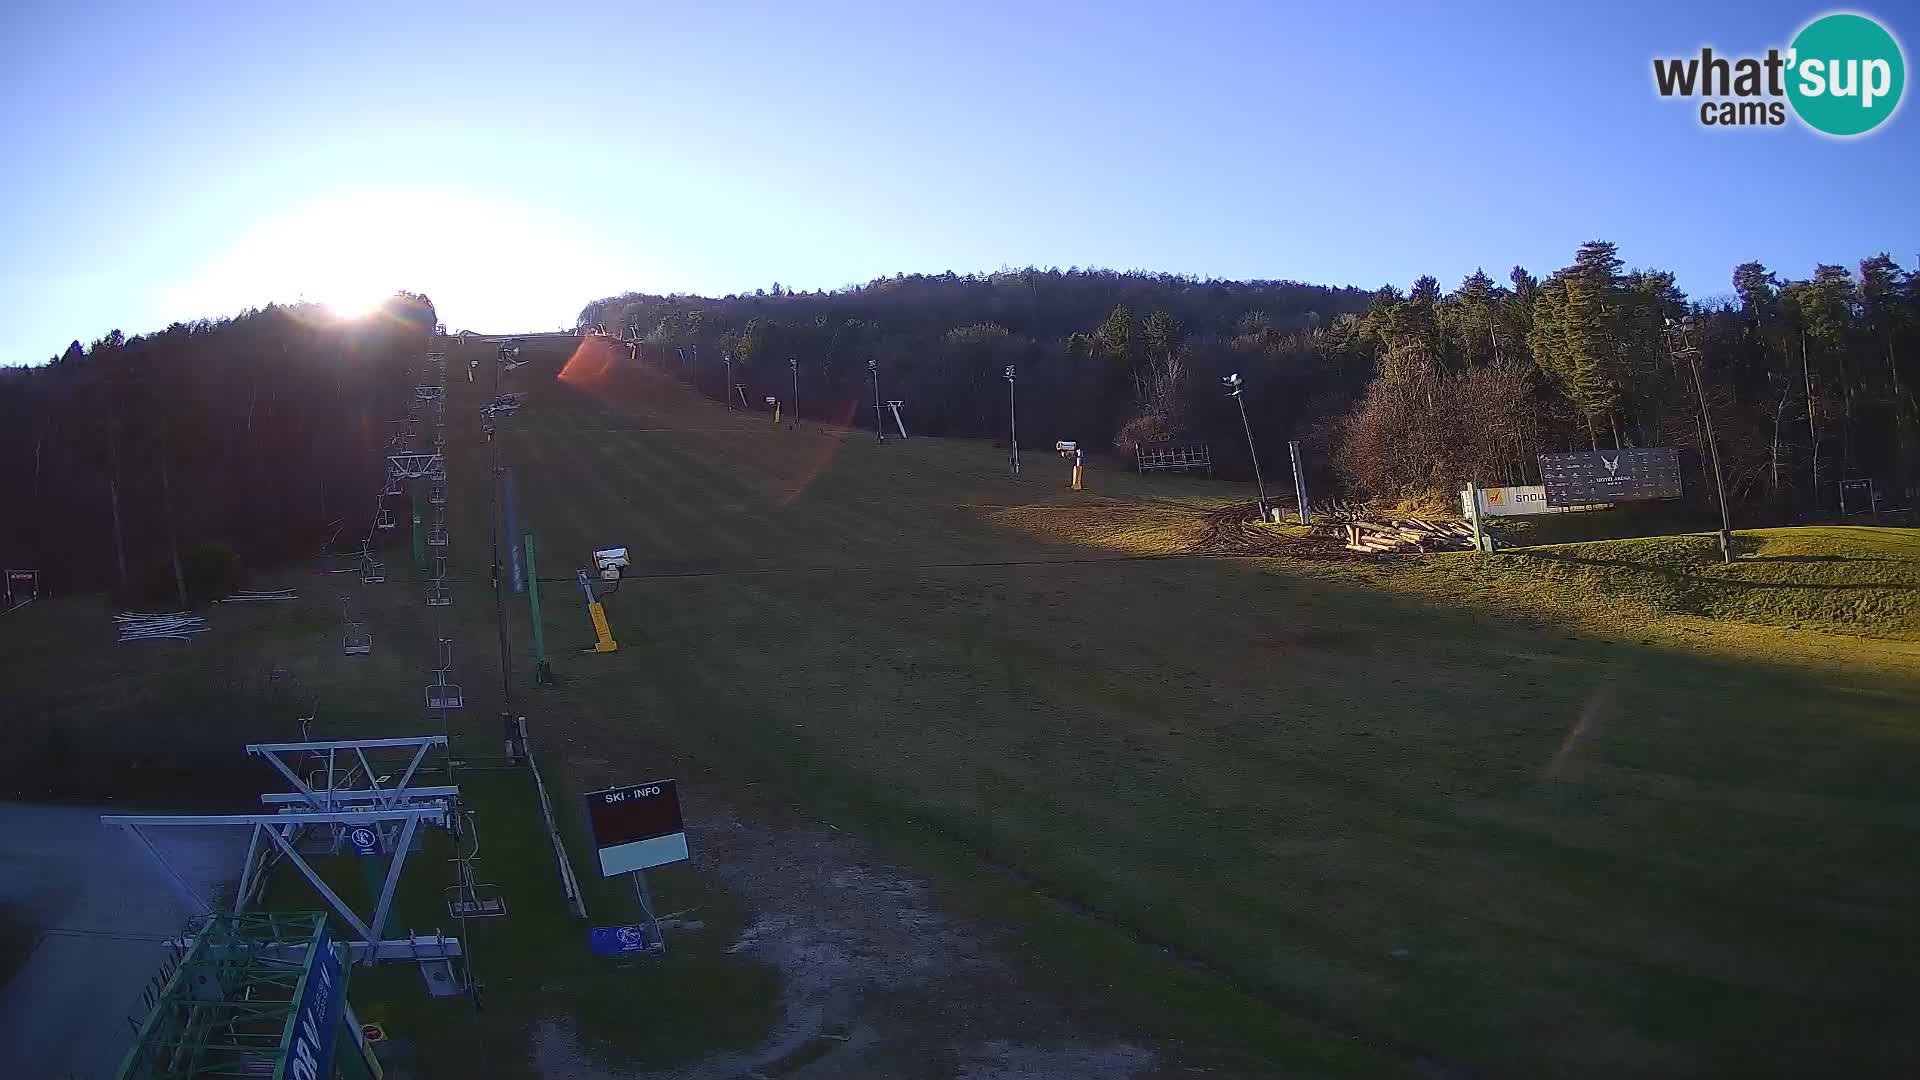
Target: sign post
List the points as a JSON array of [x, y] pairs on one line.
[[636, 827], [1300, 484]]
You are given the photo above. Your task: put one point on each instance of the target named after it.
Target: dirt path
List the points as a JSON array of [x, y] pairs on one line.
[[876, 981]]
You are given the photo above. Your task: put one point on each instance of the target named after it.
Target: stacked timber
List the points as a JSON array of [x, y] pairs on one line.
[[1407, 536]]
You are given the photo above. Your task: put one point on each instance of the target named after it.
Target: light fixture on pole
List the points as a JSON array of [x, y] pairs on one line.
[[1233, 385], [795, 365], [879, 430], [1692, 353], [1013, 429]]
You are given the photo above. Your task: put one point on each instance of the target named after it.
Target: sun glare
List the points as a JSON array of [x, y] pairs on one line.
[[478, 259], [354, 301]]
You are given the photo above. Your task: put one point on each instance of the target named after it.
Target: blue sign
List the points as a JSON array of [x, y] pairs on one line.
[[322, 995], [365, 840], [616, 940]]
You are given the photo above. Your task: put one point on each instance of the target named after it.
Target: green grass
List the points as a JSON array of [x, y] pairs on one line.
[[1590, 810], [1358, 803]]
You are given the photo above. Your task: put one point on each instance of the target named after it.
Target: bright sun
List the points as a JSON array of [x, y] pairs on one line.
[[355, 301], [351, 250]]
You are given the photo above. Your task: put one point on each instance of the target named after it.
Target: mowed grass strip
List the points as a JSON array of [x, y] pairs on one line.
[[1537, 841]]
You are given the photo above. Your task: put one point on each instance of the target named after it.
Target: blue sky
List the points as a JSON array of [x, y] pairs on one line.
[[176, 161]]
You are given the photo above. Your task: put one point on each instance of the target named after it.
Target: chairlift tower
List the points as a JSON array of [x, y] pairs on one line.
[[247, 998]]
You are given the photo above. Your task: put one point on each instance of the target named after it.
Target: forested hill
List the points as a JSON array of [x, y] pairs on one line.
[[1083, 343], [1397, 394], [250, 433]]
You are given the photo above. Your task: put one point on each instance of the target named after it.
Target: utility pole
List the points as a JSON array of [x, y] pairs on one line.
[[113, 482], [1692, 353], [727, 390], [1233, 385], [879, 425], [1013, 429], [794, 423]]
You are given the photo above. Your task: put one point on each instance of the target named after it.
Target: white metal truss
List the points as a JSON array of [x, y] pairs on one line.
[[897, 422], [342, 769], [282, 830], [413, 466]]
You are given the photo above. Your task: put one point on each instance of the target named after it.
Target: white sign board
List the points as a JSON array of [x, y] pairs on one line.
[[1516, 502]]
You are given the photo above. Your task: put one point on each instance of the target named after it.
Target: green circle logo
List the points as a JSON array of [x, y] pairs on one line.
[[1846, 73]]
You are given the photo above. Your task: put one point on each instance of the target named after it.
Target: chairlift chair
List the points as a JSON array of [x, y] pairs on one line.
[[372, 572], [383, 519], [437, 536], [472, 899], [444, 695], [355, 640], [437, 594], [437, 495], [392, 488]]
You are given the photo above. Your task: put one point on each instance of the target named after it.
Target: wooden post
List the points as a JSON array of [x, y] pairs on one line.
[[1473, 514]]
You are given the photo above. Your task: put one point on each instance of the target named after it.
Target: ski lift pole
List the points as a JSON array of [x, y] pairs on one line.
[[541, 673]]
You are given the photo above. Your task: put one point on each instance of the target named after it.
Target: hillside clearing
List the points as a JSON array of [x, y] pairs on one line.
[[1550, 812]]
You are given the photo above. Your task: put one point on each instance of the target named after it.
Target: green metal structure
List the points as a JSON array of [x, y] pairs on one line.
[[240, 1003]]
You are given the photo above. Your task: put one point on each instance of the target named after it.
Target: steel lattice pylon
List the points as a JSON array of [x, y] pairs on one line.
[[226, 1008]]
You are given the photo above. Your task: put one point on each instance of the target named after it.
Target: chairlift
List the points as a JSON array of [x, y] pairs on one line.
[[392, 488], [383, 519], [437, 495], [372, 572], [472, 899], [437, 536], [437, 594], [355, 640], [445, 695]]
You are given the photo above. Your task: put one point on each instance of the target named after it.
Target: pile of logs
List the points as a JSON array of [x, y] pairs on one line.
[[169, 626], [1407, 536]]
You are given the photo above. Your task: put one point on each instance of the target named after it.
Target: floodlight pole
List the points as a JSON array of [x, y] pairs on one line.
[[1692, 353], [1013, 429], [1260, 484], [879, 422]]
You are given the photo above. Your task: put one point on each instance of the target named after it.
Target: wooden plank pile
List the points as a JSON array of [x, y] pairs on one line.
[[170, 626], [1407, 536]]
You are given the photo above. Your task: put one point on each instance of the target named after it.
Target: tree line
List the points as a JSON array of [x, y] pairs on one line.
[[1399, 395], [247, 436]]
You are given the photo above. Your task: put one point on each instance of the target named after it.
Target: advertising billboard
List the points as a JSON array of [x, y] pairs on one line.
[[1607, 476]]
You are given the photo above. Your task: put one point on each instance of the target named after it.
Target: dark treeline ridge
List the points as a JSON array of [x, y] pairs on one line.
[[1399, 395], [249, 434]]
